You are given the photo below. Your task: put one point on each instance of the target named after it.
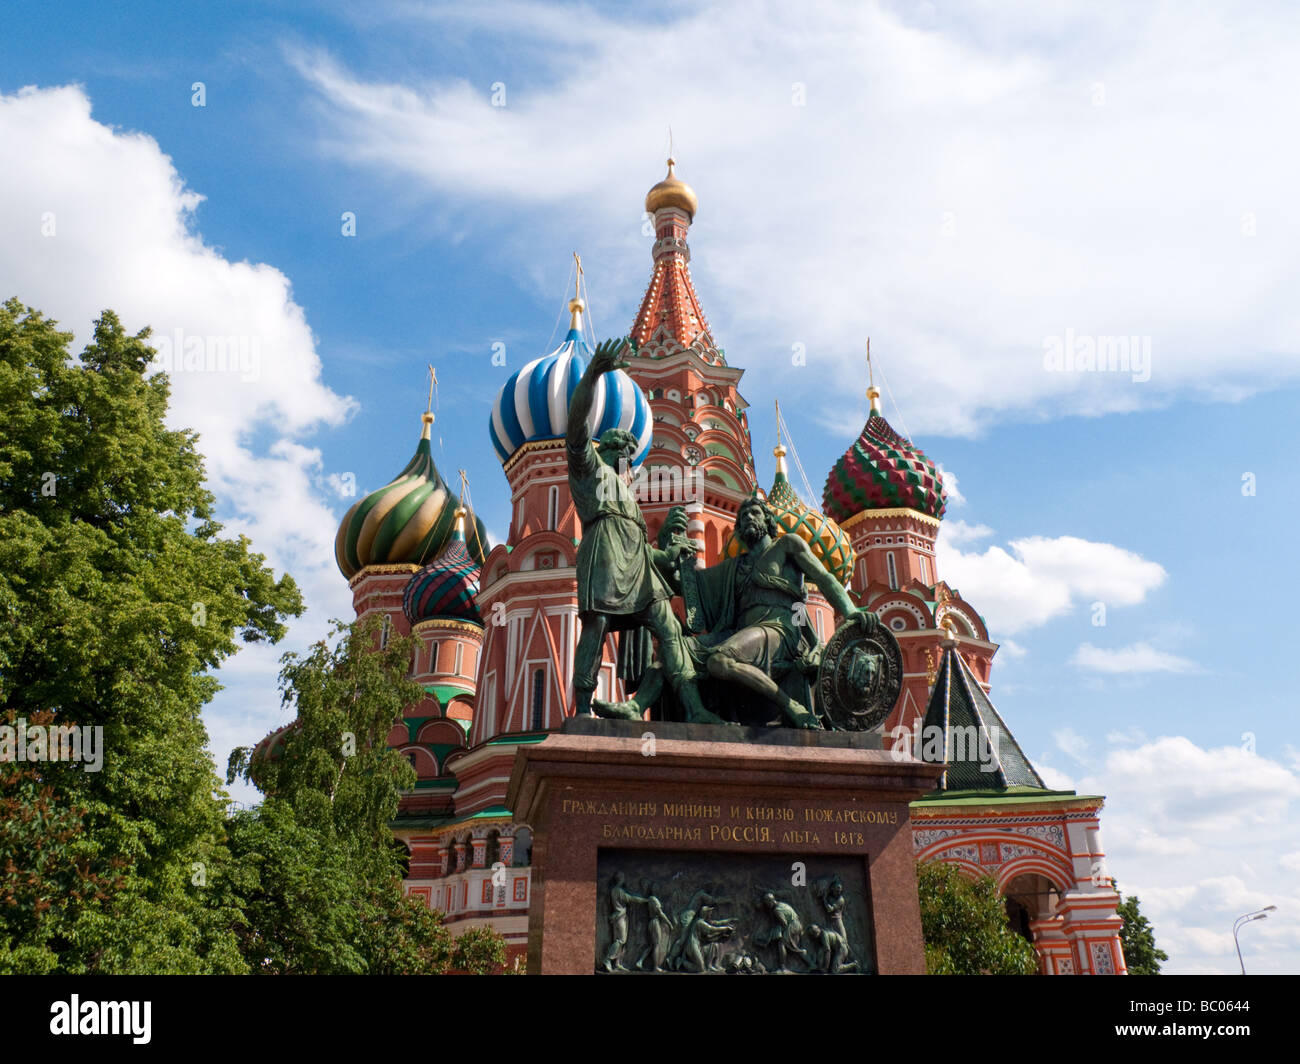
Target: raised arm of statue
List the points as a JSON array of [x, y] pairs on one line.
[[803, 557], [605, 359]]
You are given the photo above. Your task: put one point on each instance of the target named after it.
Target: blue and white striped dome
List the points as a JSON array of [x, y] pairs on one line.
[[534, 403]]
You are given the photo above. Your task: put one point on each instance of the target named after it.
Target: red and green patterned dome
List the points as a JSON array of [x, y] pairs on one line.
[[445, 588], [883, 471], [830, 545]]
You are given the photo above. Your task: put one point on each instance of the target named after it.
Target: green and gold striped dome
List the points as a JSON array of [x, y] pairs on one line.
[[829, 544], [406, 522]]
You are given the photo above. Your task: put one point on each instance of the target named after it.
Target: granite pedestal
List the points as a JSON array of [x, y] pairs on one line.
[[703, 848]]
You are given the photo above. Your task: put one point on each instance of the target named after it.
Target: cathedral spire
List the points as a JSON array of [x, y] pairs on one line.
[[671, 316]]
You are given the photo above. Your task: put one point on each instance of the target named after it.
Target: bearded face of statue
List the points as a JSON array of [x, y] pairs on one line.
[[616, 449], [751, 525]]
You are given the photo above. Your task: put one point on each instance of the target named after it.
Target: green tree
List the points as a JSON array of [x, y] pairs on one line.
[[118, 598], [320, 880], [965, 926], [1138, 938]]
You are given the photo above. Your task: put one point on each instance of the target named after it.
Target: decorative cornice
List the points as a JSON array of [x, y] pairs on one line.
[[446, 624], [894, 511], [556, 444], [382, 570]]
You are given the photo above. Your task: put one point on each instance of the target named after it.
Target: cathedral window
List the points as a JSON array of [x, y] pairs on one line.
[[523, 851], [553, 508], [893, 572], [925, 570], [539, 698]]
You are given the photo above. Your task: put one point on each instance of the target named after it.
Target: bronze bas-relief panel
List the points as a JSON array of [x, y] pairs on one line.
[[663, 911]]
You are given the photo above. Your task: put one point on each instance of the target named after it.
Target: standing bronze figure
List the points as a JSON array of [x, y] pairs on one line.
[[619, 583]]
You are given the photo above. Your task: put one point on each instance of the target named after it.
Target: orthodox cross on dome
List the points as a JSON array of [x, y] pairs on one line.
[[576, 305], [873, 393], [427, 416], [779, 450]]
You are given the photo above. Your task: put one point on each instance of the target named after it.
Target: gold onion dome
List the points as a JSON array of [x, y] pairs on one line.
[[407, 521], [830, 545], [672, 192]]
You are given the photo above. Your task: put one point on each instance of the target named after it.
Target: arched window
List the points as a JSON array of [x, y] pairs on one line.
[[893, 572], [385, 631], [493, 847], [539, 698], [553, 508], [523, 855], [925, 570]]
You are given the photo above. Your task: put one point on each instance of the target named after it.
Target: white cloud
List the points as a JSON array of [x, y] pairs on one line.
[[1042, 578], [951, 489], [1011, 649], [955, 532], [124, 239], [1072, 744], [1055, 779], [1131, 736], [1203, 836], [1140, 657], [961, 189]]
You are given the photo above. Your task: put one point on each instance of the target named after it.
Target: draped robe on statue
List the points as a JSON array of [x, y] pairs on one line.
[[616, 572]]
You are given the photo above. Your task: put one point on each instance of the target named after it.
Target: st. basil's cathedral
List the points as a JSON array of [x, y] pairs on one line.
[[497, 626]]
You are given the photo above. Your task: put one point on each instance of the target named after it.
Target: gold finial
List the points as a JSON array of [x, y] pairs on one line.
[[672, 192], [779, 450], [873, 393], [576, 305], [460, 505], [427, 416]]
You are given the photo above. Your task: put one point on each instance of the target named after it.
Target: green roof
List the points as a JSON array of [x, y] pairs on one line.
[[1010, 796], [519, 740], [983, 757], [444, 693]]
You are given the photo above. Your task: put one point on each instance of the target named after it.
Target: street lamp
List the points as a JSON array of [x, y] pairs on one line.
[[1242, 921]]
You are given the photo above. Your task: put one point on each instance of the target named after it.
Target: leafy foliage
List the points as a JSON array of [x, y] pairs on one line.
[[965, 926], [322, 881], [118, 596], [1138, 939]]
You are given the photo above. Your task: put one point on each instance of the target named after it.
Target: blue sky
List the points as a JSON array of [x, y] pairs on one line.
[[962, 183]]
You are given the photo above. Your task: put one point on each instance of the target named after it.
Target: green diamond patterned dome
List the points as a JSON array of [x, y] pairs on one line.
[[406, 522], [882, 471]]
